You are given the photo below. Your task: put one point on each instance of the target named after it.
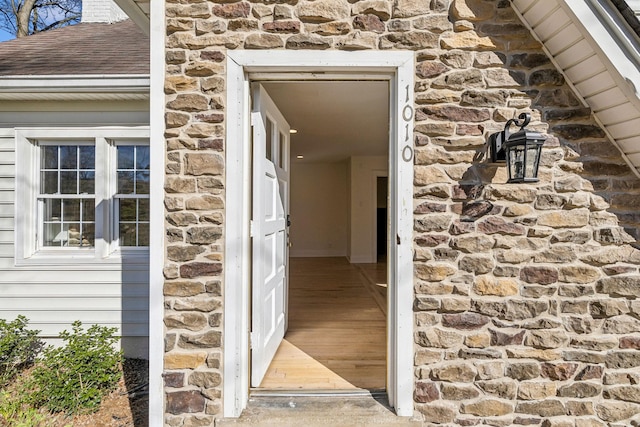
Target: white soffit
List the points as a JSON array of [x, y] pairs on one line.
[[598, 55]]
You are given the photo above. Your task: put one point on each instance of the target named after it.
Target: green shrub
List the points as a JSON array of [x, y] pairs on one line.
[[19, 348], [74, 378], [15, 413]]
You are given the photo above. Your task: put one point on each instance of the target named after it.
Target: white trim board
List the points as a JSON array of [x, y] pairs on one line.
[[67, 87], [156, 219], [398, 67]]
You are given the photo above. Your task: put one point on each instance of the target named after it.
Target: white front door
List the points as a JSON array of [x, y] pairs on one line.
[[269, 231]]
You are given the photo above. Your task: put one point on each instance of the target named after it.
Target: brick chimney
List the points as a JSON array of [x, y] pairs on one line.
[[105, 11]]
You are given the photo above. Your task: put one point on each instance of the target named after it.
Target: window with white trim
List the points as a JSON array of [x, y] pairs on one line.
[[81, 194]]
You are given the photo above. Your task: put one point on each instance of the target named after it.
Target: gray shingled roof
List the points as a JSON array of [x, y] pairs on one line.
[[86, 48]]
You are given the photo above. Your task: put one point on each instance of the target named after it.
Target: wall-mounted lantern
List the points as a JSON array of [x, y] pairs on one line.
[[521, 150]]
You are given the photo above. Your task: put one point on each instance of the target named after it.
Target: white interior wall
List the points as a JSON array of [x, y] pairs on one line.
[[364, 171], [318, 209]]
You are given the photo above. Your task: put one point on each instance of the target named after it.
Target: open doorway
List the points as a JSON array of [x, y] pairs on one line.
[[243, 66], [336, 337]]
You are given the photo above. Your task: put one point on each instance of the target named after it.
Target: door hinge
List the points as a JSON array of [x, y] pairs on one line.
[[251, 228], [252, 339]]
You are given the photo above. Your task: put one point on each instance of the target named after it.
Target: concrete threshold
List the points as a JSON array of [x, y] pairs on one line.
[[315, 409]]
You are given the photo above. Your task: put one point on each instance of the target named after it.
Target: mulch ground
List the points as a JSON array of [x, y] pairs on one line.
[[127, 406]]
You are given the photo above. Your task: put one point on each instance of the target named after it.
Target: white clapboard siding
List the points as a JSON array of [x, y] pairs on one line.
[[74, 290], [61, 275], [7, 157], [88, 317], [53, 297], [6, 210], [7, 170], [49, 330], [6, 196], [72, 303], [583, 42], [6, 250]]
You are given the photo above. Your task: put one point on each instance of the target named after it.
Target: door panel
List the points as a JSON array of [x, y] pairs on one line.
[[269, 231]]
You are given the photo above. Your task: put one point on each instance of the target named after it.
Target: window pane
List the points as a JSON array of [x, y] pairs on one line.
[[125, 156], [68, 157], [88, 210], [52, 210], [128, 209], [73, 234], [52, 235], [71, 210], [49, 157], [143, 234], [88, 234], [87, 182], [69, 182], [143, 209], [142, 183], [142, 157], [281, 153], [49, 182], [87, 157], [127, 234], [268, 141], [125, 182]]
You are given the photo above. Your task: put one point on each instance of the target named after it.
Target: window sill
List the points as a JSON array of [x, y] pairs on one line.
[[116, 260]]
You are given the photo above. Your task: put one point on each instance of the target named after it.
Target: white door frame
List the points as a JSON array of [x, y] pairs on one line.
[[242, 66]]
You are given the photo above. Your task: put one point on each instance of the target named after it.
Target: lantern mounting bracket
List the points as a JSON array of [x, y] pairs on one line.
[[498, 139]]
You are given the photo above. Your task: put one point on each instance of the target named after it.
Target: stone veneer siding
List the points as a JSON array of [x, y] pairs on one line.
[[526, 296]]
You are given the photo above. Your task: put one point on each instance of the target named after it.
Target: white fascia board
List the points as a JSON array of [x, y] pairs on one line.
[[138, 83], [137, 15], [619, 54]]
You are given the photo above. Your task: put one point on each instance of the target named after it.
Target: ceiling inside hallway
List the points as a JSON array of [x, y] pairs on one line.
[[334, 119]]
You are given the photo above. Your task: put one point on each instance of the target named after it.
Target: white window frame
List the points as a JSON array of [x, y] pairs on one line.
[[106, 249]]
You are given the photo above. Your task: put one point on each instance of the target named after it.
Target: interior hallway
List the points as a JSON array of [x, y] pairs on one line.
[[336, 338]]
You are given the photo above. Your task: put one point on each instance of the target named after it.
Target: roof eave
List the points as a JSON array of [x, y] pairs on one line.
[[612, 83], [74, 87], [137, 14]]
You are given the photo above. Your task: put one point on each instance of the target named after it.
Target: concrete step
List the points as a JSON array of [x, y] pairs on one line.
[[318, 411]]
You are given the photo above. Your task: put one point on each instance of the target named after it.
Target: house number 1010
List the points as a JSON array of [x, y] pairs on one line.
[[407, 116]]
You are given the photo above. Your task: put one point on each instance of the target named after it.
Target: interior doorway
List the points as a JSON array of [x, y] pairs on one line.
[[335, 305]]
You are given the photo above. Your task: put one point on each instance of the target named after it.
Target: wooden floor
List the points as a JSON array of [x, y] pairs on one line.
[[337, 331]]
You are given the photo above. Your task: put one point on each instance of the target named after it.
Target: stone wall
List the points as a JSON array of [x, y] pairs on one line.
[[525, 307]]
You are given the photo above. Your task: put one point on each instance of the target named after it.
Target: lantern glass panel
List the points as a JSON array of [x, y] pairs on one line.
[[533, 159], [517, 157]]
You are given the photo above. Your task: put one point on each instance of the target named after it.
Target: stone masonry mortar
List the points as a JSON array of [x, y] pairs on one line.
[[526, 296]]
